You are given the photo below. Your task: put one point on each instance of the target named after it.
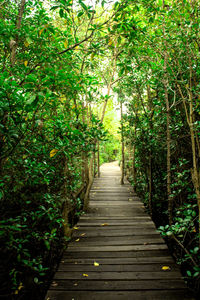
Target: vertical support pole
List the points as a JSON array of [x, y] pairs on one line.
[[122, 141], [94, 160], [98, 159]]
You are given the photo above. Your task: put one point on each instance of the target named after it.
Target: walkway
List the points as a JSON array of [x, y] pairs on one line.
[[116, 252]]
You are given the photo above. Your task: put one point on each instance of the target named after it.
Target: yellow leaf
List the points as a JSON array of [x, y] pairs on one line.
[[166, 268], [110, 42], [24, 156], [85, 275], [40, 32], [53, 152], [66, 44], [96, 264], [77, 240], [76, 48], [26, 63], [75, 284], [26, 43], [92, 55], [83, 234], [76, 227], [19, 288], [104, 224]]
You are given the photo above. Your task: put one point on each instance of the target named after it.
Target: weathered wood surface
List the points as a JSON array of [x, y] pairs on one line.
[[119, 236]]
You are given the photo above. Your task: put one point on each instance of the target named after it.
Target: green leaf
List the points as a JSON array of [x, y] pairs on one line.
[[83, 5], [36, 280], [61, 13], [80, 14]]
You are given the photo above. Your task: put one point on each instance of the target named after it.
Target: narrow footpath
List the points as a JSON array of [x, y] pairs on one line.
[[116, 252]]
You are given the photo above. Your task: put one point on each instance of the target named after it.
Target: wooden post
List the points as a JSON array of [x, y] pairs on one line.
[[94, 160], [122, 141], [98, 159]]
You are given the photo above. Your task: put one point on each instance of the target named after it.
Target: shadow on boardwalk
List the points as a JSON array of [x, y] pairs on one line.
[[116, 252]]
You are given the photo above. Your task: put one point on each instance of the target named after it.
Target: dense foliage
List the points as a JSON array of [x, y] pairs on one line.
[[64, 64], [161, 125], [47, 134]]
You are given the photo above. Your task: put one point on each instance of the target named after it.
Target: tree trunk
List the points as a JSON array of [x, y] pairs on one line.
[[165, 83], [195, 170], [190, 120], [14, 43], [109, 87], [67, 207], [150, 104]]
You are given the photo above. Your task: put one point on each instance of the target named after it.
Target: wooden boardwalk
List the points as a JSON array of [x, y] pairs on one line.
[[116, 252]]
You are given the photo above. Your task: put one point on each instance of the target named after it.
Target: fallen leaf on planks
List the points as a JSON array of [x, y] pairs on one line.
[[75, 227], [77, 240], [83, 234], [85, 275], [96, 264], [54, 283], [104, 224], [166, 268]]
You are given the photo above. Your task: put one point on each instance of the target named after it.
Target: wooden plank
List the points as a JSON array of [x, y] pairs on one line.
[[115, 203], [120, 295], [117, 248], [124, 225], [106, 195], [108, 227], [112, 232], [129, 240], [127, 254], [114, 218], [89, 216], [119, 285], [120, 223], [118, 275], [165, 260], [119, 212], [117, 268], [94, 222]]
